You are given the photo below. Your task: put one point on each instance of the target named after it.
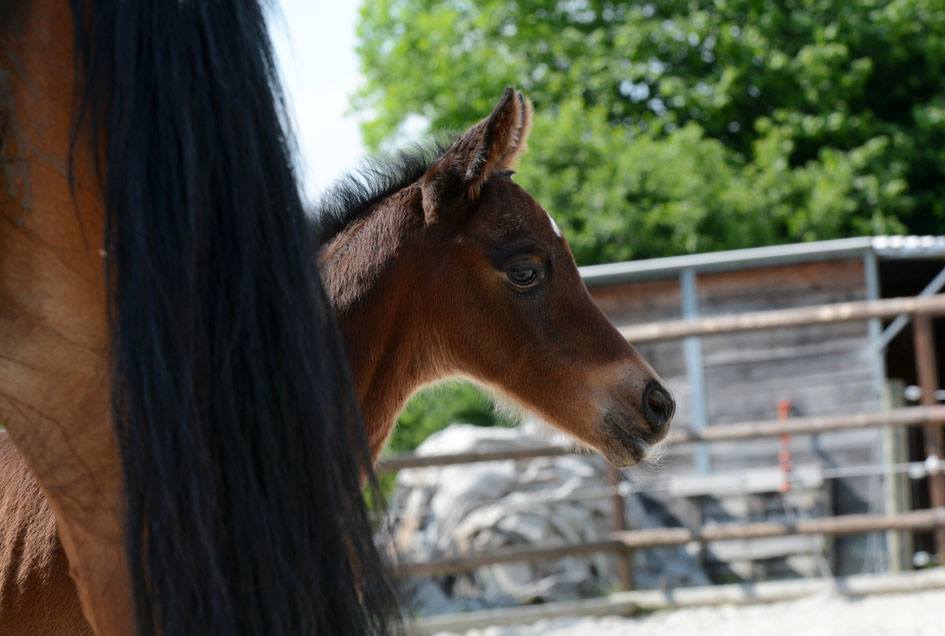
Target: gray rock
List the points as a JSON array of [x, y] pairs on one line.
[[449, 511]]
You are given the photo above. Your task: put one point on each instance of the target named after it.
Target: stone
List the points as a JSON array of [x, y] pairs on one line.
[[449, 511]]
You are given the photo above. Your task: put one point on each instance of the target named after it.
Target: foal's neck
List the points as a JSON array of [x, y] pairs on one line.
[[373, 284]]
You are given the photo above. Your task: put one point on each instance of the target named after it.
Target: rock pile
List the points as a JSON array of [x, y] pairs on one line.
[[450, 511]]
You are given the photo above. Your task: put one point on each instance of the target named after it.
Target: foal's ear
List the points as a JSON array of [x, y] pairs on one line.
[[493, 144]]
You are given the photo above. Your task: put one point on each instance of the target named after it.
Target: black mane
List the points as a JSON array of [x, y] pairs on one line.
[[242, 446], [357, 193]]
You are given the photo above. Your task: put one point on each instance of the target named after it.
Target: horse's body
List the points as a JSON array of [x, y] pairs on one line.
[[446, 267], [37, 596], [170, 368], [54, 336]]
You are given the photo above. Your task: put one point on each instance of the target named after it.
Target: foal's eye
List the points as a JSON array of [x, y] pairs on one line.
[[523, 275]]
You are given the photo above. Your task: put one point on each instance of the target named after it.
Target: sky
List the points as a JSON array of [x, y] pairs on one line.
[[314, 42]]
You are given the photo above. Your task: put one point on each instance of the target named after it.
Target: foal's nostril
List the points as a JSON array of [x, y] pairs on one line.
[[658, 405]]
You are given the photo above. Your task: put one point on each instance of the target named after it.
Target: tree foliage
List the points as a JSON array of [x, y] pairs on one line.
[[678, 126], [681, 126], [438, 406]]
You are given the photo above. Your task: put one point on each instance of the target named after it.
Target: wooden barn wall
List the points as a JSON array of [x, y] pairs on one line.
[[824, 369]]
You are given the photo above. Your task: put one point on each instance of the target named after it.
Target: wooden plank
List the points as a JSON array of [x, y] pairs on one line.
[[927, 372], [639, 302], [757, 401], [665, 537], [845, 524], [838, 279], [912, 416], [811, 425], [618, 510], [748, 482], [835, 449], [818, 394], [773, 297], [807, 346], [732, 351], [780, 318]]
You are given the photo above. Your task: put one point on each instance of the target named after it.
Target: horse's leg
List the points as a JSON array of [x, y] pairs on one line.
[[54, 389]]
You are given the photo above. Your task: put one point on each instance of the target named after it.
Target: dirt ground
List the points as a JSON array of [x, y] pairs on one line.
[[913, 614]]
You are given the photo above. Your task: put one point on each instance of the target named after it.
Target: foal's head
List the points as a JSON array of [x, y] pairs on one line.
[[495, 296]]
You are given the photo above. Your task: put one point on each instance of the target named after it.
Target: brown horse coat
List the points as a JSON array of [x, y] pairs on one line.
[[457, 271], [54, 370], [37, 596]]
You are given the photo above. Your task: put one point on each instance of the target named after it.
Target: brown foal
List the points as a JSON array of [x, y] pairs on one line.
[[455, 272]]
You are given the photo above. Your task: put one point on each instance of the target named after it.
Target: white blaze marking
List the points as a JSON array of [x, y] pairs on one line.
[[554, 226]]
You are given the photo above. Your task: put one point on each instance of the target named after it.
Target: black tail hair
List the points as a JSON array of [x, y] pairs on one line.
[[241, 442]]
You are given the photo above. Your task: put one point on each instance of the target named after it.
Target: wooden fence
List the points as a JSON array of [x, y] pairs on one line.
[[911, 416], [622, 542]]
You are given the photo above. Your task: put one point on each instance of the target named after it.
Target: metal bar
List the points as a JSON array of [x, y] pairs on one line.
[[806, 477], [810, 425], [619, 511], [695, 367], [664, 537], [875, 327], [877, 362], [927, 375], [896, 487], [729, 260], [846, 524], [901, 321], [780, 318], [401, 461], [910, 416]]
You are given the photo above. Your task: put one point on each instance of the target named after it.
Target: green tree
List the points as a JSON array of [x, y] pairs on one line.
[[680, 126], [437, 406], [671, 127]]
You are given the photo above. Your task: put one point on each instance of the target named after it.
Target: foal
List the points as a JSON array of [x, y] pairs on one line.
[[443, 268], [457, 271]]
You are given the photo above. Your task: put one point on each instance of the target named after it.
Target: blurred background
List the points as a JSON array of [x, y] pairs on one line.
[[661, 128], [761, 156]]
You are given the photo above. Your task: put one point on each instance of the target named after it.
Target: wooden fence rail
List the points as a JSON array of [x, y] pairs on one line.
[[779, 318], [663, 537], [908, 416], [929, 415]]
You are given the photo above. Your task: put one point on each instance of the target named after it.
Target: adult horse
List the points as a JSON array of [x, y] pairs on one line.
[[170, 367], [439, 265]]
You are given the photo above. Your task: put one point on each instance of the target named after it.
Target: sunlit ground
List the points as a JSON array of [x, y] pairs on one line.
[[913, 614]]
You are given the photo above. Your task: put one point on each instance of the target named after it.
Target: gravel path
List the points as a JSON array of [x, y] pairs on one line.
[[914, 614]]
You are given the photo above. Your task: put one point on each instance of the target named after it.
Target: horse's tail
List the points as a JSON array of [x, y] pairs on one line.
[[240, 437]]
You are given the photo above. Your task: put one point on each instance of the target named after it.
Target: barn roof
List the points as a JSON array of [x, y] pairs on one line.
[[883, 247]]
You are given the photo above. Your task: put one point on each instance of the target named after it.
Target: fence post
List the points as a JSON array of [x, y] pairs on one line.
[[695, 368], [619, 510], [927, 376], [896, 487]]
